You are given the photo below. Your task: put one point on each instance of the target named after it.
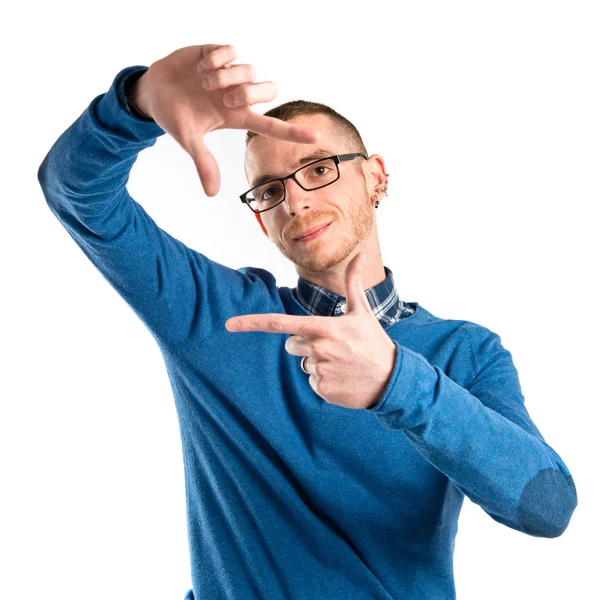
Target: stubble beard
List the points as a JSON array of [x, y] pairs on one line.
[[355, 229]]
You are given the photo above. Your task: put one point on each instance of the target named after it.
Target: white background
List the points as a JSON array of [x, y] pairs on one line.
[[487, 116]]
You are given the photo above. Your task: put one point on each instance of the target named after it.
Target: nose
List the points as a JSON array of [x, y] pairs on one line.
[[296, 199]]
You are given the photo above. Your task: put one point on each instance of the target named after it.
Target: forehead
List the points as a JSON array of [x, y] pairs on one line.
[[274, 158]]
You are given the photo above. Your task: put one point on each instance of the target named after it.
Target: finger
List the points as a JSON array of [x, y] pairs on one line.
[[206, 165], [356, 298], [218, 57], [251, 93], [237, 74], [280, 130], [205, 49], [308, 366], [279, 323], [297, 345], [246, 94], [265, 91]]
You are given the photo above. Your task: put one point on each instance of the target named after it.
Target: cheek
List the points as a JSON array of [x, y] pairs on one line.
[[273, 226]]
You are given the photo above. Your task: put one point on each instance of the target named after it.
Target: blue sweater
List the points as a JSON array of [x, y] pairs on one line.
[[289, 497]]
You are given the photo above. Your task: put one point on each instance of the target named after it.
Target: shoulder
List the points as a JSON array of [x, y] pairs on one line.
[[461, 347]]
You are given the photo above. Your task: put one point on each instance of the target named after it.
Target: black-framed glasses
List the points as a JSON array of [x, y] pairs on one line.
[[313, 176]]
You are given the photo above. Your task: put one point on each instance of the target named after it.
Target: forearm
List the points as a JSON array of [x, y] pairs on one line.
[[83, 178], [89, 164], [503, 465]]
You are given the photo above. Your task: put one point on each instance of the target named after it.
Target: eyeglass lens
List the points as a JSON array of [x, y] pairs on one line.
[[310, 177]]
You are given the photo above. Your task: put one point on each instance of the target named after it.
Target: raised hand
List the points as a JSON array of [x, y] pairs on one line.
[[172, 92]]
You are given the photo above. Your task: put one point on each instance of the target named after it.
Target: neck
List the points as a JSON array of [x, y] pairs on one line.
[[334, 279]]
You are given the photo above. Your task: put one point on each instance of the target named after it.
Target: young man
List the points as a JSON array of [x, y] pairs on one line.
[[340, 475]]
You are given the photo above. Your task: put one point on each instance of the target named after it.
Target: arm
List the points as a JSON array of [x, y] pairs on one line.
[[84, 177], [482, 438], [130, 90]]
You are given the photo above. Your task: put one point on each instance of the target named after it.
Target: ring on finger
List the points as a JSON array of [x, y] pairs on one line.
[[302, 366]]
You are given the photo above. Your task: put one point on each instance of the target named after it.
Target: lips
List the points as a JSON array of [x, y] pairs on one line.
[[312, 230]]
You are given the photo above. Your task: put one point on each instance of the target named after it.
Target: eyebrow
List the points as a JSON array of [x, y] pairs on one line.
[[320, 153]]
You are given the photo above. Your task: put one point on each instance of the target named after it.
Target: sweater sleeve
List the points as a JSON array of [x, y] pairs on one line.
[[127, 85], [83, 178], [482, 438]]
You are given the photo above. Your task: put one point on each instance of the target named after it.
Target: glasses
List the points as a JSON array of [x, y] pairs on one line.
[[312, 176]]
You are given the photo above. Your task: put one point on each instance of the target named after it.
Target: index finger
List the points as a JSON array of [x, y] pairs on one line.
[[281, 130], [278, 323]]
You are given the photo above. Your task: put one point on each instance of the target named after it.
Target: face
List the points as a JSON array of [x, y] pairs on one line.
[[346, 203]]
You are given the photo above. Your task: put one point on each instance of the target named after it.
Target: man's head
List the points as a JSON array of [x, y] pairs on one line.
[[348, 203]]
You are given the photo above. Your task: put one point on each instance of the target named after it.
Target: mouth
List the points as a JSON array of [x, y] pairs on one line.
[[314, 234]]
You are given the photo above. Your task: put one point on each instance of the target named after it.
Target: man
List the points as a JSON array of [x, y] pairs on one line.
[[339, 475]]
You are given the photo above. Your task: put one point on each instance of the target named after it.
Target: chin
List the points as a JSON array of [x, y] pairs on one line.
[[320, 259]]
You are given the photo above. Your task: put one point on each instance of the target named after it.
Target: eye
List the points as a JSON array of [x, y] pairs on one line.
[[265, 191], [320, 167]]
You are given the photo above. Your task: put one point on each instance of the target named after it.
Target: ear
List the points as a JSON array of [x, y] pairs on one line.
[[260, 222]]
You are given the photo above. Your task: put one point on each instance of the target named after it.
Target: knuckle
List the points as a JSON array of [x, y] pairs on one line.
[[325, 331], [223, 78], [315, 347], [242, 94], [210, 62]]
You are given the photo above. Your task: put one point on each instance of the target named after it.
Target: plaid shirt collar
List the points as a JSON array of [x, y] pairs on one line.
[[383, 298]]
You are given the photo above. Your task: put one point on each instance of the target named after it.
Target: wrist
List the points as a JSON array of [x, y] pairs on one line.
[[134, 95]]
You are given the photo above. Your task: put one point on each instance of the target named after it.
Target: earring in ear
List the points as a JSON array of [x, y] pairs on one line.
[[379, 190]]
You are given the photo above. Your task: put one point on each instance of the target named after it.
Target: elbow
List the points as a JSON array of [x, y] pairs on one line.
[[547, 504], [42, 174]]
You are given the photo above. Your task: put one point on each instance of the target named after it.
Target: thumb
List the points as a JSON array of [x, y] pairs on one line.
[[356, 299], [206, 166]]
